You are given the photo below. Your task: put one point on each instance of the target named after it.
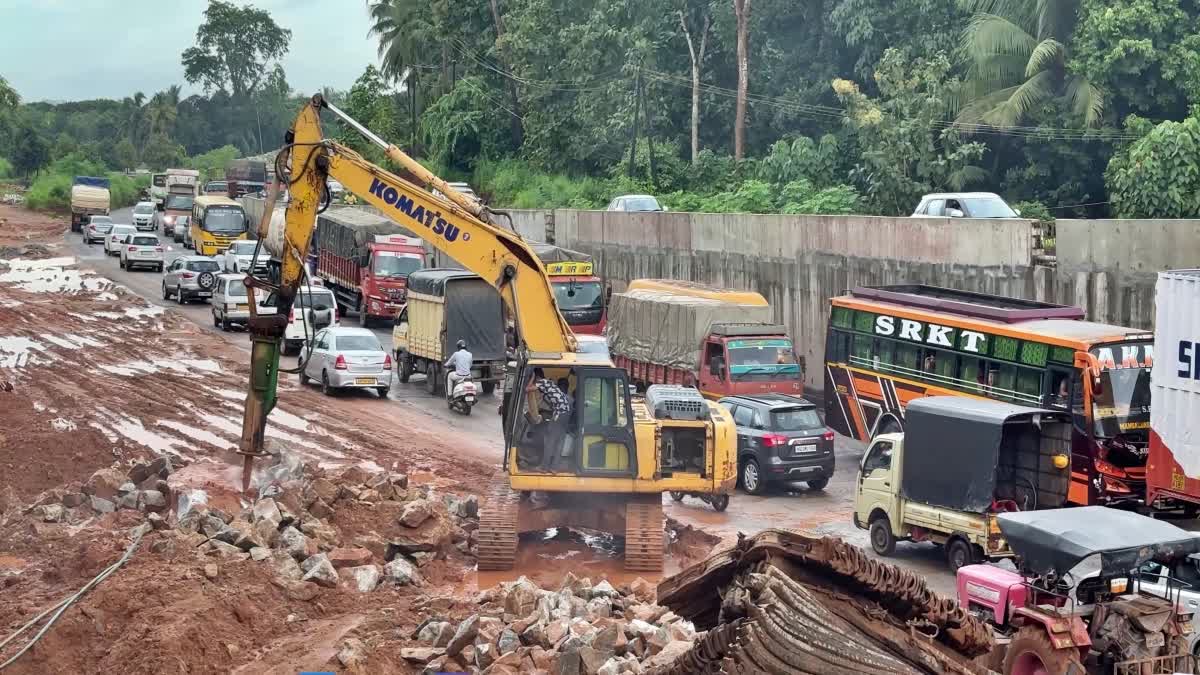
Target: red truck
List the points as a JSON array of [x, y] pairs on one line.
[[581, 295], [365, 259], [1173, 462], [720, 341]]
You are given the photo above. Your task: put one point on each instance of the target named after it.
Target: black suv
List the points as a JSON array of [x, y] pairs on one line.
[[780, 438]]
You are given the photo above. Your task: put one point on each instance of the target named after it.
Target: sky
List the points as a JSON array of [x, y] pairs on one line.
[[69, 50]]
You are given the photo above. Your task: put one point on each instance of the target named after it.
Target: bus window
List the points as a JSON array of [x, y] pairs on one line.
[[908, 357], [885, 351], [1029, 385], [838, 347], [1004, 379], [972, 373], [862, 349]]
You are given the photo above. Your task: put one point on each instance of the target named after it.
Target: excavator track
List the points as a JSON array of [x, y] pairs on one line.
[[644, 533], [497, 535]]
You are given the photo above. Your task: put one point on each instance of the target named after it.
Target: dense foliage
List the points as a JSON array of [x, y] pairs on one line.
[[851, 105]]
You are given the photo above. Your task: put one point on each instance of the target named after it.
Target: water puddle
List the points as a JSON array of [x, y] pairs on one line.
[[196, 434], [52, 275], [15, 351]]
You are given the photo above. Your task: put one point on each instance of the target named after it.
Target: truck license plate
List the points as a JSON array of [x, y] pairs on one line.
[[364, 380]]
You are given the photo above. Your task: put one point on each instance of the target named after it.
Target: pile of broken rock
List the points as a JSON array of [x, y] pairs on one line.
[[580, 629]]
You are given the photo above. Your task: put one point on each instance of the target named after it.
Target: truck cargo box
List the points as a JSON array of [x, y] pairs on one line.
[[89, 198], [1173, 465], [550, 253], [445, 306], [246, 170], [667, 329], [345, 231]]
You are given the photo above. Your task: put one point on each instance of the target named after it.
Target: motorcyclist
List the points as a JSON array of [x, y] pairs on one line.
[[462, 361]]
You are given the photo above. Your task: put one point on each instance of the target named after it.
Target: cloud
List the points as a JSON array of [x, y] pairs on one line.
[[64, 50]]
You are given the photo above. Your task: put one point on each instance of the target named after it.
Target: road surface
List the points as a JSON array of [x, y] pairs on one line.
[[826, 512]]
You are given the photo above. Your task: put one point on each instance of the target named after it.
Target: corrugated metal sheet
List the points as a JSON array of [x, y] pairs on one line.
[[1175, 387]]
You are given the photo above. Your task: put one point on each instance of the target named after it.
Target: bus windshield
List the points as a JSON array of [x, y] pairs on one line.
[[762, 359], [1123, 404], [229, 220], [578, 294]]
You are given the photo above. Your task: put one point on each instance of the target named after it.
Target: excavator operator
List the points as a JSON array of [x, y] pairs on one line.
[[550, 414]]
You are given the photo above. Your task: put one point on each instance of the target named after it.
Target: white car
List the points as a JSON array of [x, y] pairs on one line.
[[964, 205], [346, 358], [142, 250], [315, 308], [230, 302], [635, 203], [143, 216], [115, 237], [591, 344], [237, 258]]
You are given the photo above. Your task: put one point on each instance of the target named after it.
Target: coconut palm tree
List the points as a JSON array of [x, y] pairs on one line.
[[1016, 54], [403, 30], [8, 96]]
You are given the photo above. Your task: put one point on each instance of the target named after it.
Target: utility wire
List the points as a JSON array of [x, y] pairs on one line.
[[65, 604]]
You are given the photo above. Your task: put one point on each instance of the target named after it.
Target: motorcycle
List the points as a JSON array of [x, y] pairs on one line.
[[463, 397]]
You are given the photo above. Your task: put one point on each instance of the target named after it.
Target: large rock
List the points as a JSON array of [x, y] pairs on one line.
[[508, 641], [464, 635], [535, 635], [349, 557], [50, 513], [668, 654], [364, 577], [267, 532], [420, 655], [268, 510], [105, 483], [102, 505], [286, 566], [295, 543], [608, 638], [431, 631], [210, 525], [152, 501], [403, 573], [599, 608], [485, 655], [591, 659], [353, 653], [241, 534], [681, 631], [415, 513], [322, 488], [643, 590], [521, 597], [319, 570]]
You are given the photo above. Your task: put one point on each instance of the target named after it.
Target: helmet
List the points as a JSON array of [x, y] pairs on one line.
[[462, 344]]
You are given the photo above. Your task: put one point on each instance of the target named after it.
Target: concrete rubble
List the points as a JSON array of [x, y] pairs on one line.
[[523, 628]]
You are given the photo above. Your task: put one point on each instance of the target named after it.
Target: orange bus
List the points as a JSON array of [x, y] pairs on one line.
[[887, 345]]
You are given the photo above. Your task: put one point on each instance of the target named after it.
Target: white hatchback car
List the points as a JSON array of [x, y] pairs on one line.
[[230, 301], [239, 256], [142, 250], [346, 358], [143, 216], [313, 309], [116, 237]]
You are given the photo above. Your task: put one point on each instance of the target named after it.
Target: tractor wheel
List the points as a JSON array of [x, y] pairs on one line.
[[1031, 653]]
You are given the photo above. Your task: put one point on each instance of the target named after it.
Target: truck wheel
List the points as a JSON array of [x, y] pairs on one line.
[[1031, 653], [883, 542], [959, 554], [431, 379], [752, 478], [406, 369], [719, 502]]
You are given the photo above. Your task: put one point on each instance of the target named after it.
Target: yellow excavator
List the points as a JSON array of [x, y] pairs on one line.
[[587, 454]]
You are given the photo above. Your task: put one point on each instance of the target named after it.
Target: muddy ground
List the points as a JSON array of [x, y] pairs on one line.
[[92, 377]]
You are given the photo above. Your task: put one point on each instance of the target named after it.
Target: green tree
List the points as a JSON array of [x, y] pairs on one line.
[[1145, 53], [162, 153], [369, 102], [212, 163], [1017, 55], [125, 155], [905, 147], [459, 129], [8, 96], [1158, 176], [235, 49], [30, 152]]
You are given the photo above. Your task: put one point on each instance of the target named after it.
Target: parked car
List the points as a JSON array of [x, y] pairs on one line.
[[116, 237], [142, 250], [143, 216], [96, 229], [336, 189], [964, 205], [345, 358], [314, 308], [635, 203], [190, 277], [780, 438], [230, 301], [240, 254]]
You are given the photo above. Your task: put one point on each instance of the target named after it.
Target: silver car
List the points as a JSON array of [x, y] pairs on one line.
[[240, 254], [142, 250], [97, 229], [189, 277], [230, 301], [143, 216], [346, 358]]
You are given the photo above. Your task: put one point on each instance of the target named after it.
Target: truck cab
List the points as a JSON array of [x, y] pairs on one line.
[[384, 279], [581, 296], [748, 360], [960, 463]]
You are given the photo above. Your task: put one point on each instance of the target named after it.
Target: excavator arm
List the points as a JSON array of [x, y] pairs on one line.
[[457, 226]]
